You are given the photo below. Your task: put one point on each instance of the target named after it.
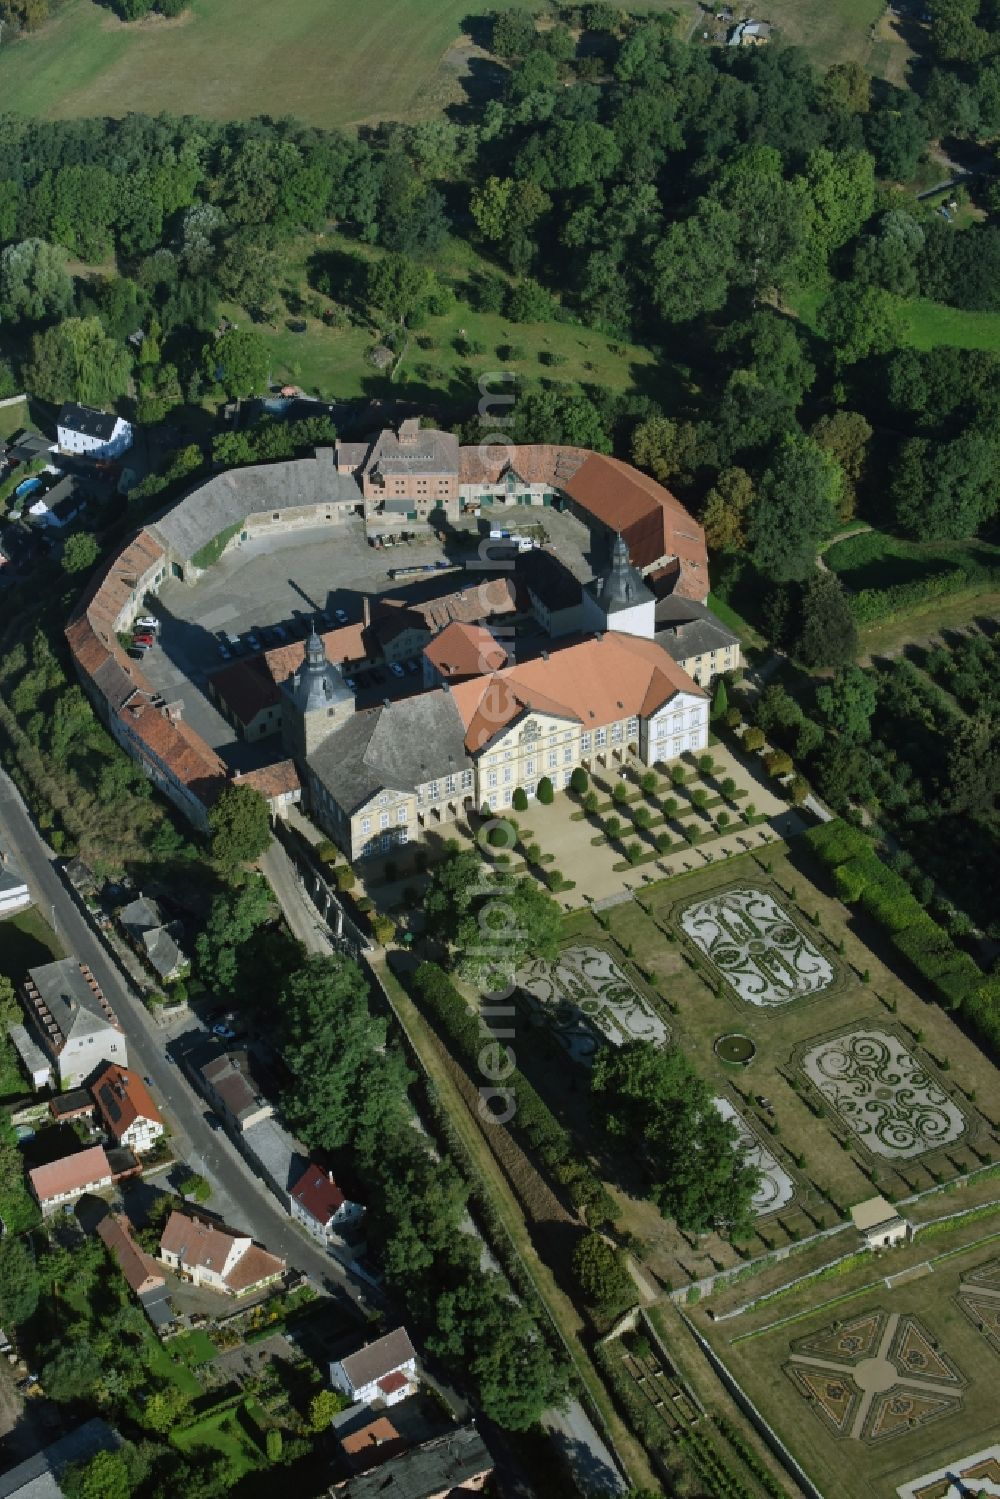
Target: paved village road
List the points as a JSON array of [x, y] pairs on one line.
[[206, 1150]]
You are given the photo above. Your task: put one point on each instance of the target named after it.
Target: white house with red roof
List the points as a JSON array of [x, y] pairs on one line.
[[321, 1207], [126, 1108], [383, 1372]]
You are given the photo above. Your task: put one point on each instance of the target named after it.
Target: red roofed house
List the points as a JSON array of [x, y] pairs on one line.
[[139, 1268], [321, 1207], [212, 1256], [383, 1371], [126, 1109], [64, 1181], [459, 652]]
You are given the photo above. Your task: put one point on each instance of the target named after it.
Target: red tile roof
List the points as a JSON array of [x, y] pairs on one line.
[[464, 651], [652, 520], [122, 1097], [318, 1193], [197, 1242], [70, 1174], [373, 1444], [246, 688], [139, 1268], [279, 779], [117, 679], [593, 682]]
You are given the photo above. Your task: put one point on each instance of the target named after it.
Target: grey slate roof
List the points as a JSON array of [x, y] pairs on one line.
[[621, 586], [69, 999], [99, 424], [37, 1478], [686, 629], [400, 746], [232, 496], [140, 915], [381, 1357], [422, 451], [438, 1467]]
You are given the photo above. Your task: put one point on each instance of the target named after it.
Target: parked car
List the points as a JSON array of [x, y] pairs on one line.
[[413, 664], [225, 1031], [144, 639], [137, 651], [351, 683], [225, 652], [251, 642], [325, 618], [340, 615], [396, 669], [146, 622], [281, 633]]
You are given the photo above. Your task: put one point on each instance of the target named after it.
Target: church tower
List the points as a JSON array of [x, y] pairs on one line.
[[619, 600], [316, 701]]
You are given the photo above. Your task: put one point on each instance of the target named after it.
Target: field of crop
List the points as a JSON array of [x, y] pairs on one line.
[[329, 62]]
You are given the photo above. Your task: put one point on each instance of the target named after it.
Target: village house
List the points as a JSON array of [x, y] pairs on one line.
[[321, 1207], [384, 1371], [126, 1108], [229, 1084], [76, 1026], [210, 1255], [140, 1270], [63, 1181], [156, 940], [98, 434]]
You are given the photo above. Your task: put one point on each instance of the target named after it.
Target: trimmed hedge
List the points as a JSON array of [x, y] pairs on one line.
[[533, 1121], [871, 605], [860, 877]]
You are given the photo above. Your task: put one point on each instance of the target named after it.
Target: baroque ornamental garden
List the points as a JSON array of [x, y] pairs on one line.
[[583, 997], [875, 1377], [756, 946], [884, 1094], [775, 1188]]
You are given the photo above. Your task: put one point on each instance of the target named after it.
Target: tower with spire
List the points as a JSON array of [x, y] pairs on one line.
[[618, 599], [317, 701]]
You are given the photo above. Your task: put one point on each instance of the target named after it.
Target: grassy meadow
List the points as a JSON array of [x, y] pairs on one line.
[[329, 62]]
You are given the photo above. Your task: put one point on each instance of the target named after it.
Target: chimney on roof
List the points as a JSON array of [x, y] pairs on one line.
[[545, 655], [599, 635]]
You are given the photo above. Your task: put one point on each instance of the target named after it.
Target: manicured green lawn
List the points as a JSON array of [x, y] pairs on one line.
[[828, 32], [26, 941], [329, 62], [161, 1362], [224, 1434], [13, 418], [193, 1348]]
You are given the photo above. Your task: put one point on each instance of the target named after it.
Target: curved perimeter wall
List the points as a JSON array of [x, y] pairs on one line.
[[664, 539]]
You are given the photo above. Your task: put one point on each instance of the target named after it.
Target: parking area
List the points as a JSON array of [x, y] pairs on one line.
[[273, 586]]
